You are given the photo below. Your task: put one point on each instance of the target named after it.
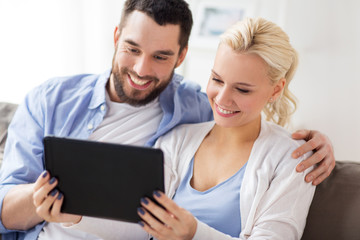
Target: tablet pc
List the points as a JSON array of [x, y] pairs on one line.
[[103, 179]]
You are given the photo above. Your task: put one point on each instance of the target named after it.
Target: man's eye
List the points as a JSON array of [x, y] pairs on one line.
[[133, 50], [160, 58]]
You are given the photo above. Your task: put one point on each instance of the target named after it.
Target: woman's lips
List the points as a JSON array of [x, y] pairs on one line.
[[224, 112]]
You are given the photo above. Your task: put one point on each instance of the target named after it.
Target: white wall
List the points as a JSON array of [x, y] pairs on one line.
[[40, 39]]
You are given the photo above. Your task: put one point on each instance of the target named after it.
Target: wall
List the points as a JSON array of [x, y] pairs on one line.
[[45, 38], [40, 39]]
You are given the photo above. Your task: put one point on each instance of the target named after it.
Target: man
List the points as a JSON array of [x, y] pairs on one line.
[[137, 101]]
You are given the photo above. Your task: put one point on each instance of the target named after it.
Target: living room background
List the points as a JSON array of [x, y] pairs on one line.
[[41, 39]]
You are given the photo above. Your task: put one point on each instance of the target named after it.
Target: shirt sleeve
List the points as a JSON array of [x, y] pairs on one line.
[[23, 154]]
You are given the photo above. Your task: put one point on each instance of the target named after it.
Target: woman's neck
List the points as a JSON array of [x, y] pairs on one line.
[[236, 135]]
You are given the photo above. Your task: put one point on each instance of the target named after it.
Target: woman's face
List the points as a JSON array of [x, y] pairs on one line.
[[239, 87]]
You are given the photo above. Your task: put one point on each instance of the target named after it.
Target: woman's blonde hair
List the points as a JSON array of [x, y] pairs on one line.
[[267, 40]]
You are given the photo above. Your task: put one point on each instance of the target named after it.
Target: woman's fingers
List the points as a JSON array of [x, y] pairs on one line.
[[44, 209], [43, 189], [41, 180], [160, 213], [169, 221], [153, 225]]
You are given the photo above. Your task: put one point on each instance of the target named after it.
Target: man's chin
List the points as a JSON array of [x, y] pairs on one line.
[[138, 101]]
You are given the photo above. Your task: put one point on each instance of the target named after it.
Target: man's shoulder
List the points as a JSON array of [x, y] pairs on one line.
[[69, 82], [65, 87]]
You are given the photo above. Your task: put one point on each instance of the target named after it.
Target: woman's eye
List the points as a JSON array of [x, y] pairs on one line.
[[217, 80], [243, 90]]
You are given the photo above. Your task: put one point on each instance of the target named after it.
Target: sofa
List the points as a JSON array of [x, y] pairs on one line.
[[334, 212]]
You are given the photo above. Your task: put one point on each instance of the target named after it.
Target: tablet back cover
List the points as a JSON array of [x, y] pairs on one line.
[[102, 179]]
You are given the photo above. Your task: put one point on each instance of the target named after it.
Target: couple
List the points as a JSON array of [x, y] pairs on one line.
[[142, 87]]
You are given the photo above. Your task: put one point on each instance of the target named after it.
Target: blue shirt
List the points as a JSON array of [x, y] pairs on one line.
[[218, 206], [73, 107]]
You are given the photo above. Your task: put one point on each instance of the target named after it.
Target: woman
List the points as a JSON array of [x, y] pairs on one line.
[[235, 174]]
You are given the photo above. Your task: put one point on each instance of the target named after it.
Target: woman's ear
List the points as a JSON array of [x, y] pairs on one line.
[[278, 88], [182, 56]]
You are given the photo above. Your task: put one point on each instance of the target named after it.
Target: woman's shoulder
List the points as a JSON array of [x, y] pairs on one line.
[[275, 145], [278, 136]]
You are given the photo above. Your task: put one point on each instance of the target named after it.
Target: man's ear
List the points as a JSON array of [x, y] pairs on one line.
[[182, 56], [116, 35], [278, 88]]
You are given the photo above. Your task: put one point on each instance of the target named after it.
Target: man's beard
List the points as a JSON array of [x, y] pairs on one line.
[[119, 81]]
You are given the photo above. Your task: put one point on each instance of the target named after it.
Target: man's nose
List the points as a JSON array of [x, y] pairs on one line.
[[143, 67]]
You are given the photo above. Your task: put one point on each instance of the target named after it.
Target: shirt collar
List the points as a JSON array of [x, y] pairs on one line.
[[98, 97]]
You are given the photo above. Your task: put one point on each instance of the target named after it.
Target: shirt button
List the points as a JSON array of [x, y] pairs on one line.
[[90, 126], [102, 107]]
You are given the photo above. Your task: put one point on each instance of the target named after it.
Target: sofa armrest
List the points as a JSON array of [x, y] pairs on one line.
[[335, 210]]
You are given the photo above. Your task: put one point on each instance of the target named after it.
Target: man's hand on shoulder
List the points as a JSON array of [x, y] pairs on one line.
[[323, 155]]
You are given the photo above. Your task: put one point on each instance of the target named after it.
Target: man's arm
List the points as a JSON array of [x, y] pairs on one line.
[[22, 164], [18, 211], [323, 155]]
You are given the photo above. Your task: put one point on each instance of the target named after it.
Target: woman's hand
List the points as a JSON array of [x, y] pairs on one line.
[[48, 200], [323, 155], [171, 222]]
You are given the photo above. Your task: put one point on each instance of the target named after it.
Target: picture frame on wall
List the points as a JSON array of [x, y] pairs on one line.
[[214, 17]]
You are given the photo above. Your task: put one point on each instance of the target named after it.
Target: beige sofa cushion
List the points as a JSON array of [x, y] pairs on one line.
[[7, 111], [335, 209]]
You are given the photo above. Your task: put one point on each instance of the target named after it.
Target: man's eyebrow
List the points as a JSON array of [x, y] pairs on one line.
[[131, 42], [165, 52]]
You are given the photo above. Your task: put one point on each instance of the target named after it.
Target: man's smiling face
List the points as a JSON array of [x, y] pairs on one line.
[[144, 61]]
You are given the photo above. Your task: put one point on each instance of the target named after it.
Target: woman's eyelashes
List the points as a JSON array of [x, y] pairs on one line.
[[217, 80], [241, 90]]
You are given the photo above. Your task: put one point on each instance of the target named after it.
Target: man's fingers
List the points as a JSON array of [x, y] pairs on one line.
[[308, 146], [312, 160], [301, 134], [321, 172]]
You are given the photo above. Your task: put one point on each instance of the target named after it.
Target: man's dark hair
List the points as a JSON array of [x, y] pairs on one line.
[[163, 12]]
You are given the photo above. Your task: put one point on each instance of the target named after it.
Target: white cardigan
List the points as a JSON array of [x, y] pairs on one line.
[[274, 198]]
